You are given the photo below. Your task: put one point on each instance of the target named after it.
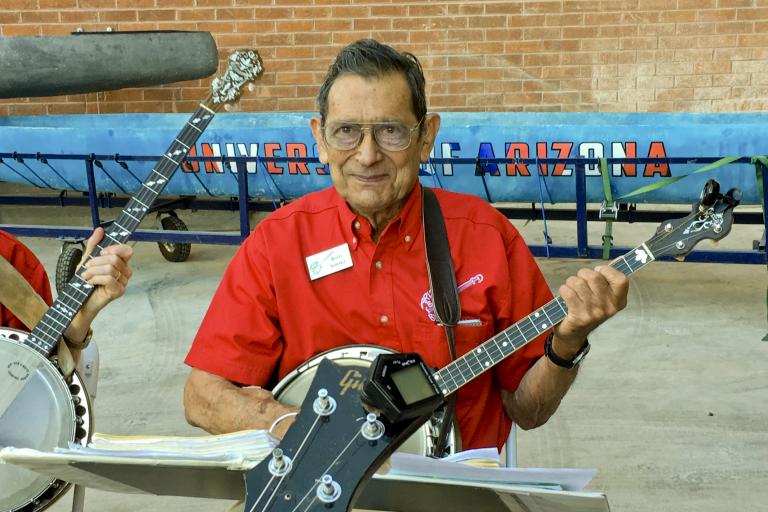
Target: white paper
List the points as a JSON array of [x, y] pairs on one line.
[[138, 474], [552, 501], [234, 448], [552, 478], [489, 455]]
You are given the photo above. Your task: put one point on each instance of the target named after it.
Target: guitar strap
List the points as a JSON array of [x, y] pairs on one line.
[[445, 295], [23, 301]]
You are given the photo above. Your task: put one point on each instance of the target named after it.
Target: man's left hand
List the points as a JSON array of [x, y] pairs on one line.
[[592, 297]]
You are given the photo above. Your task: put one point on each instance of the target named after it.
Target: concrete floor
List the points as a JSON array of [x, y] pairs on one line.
[[671, 405]]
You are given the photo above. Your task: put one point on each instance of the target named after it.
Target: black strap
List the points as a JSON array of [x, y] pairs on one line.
[[445, 295], [442, 278]]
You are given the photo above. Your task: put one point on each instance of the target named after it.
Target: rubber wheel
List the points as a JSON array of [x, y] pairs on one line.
[[176, 252], [66, 265]]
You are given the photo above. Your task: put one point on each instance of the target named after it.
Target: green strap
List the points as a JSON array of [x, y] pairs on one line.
[[608, 236], [668, 181], [606, 180], [759, 162], [608, 239]]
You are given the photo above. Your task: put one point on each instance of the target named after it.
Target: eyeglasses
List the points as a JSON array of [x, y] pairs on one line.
[[391, 136]]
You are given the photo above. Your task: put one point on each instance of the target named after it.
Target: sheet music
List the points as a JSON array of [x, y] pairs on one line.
[[247, 447]]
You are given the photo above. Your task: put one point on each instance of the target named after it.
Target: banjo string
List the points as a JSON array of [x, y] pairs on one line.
[[325, 471], [280, 481]]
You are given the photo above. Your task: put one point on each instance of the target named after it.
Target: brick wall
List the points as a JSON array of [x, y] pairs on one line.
[[545, 55]]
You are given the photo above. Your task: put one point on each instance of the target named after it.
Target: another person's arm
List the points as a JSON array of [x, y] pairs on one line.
[[592, 296]]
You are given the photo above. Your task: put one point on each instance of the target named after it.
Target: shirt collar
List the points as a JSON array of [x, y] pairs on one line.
[[406, 225]]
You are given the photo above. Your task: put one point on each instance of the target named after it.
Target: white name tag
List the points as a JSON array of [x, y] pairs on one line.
[[328, 262]]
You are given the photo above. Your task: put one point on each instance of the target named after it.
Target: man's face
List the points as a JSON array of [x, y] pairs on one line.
[[374, 181]]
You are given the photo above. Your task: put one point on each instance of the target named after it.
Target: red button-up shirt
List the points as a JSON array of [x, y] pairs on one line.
[[267, 314], [28, 266]]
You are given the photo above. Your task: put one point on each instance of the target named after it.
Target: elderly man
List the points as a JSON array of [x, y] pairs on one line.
[[270, 313]]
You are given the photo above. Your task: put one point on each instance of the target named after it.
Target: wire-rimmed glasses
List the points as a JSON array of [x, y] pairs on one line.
[[389, 135]]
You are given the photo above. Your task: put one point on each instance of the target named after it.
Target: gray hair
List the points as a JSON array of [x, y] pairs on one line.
[[371, 59]]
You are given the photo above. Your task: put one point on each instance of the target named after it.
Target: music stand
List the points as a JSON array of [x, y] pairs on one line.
[[404, 493]]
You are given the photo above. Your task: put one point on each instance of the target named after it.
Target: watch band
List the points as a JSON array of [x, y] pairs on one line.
[[79, 345], [561, 362]]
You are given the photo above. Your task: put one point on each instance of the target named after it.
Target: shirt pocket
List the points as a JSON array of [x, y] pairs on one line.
[[469, 337], [431, 342]]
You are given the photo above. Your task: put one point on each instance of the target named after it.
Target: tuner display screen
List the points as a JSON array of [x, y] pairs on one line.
[[412, 384]]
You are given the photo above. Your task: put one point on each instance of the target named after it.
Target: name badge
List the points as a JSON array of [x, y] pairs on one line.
[[328, 262]]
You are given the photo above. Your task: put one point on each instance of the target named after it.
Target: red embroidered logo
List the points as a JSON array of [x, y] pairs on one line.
[[426, 300]]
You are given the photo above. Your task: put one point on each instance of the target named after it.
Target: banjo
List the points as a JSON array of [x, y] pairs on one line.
[[341, 436], [39, 408]]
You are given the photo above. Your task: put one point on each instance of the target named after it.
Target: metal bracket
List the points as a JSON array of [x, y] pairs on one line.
[[759, 245], [609, 212]]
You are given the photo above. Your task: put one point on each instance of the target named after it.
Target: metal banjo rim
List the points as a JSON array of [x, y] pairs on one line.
[[364, 352], [80, 413]]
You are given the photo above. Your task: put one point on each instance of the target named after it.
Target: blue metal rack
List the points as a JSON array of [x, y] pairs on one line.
[[243, 204]]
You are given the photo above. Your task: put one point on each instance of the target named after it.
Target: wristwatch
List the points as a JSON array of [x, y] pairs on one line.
[[565, 363], [79, 345]]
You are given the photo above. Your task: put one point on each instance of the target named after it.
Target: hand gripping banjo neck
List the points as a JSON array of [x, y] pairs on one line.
[[243, 67]]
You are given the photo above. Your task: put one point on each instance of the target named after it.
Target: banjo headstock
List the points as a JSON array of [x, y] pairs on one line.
[[710, 219], [333, 446], [243, 67]]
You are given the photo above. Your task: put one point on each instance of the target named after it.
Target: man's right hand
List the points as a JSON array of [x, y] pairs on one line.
[[219, 406], [273, 409]]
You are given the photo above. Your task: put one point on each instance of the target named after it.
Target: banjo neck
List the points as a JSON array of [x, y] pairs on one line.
[[485, 356]]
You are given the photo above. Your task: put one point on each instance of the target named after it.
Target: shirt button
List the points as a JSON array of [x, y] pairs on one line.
[[357, 224], [379, 265], [354, 239], [384, 319], [407, 238]]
